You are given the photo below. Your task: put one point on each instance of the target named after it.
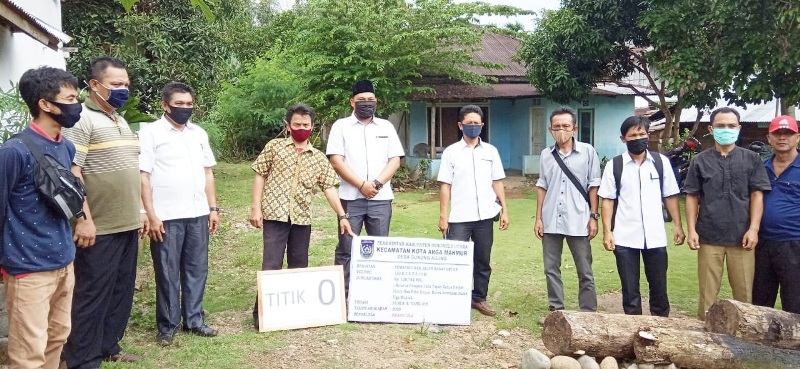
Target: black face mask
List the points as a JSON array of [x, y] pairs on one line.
[[70, 114], [637, 146], [179, 115], [365, 109]]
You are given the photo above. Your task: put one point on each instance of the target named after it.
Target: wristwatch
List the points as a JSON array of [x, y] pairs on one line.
[[344, 216], [595, 216], [214, 208], [378, 184]]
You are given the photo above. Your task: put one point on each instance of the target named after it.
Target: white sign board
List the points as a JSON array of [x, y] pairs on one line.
[[410, 280], [300, 298]]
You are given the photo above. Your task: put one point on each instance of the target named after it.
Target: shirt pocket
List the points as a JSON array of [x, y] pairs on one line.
[[740, 182]]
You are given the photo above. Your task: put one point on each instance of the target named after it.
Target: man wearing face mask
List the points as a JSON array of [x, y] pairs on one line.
[[178, 192], [287, 170], [471, 180], [724, 204], [38, 280], [365, 151], [567, 208], [107, 159], [633, 227]]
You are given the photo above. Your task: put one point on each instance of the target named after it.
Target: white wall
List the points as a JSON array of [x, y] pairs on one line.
[[19, 52]]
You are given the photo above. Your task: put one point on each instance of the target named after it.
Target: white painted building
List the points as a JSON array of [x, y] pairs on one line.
[[30, 36]]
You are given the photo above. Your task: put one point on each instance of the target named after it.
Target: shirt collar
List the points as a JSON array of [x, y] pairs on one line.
[[626, 157], [289, 142], [768, 162], [356, 121], [464, 143], [93, 106], [35, 127], [575, 147], [166, 124]]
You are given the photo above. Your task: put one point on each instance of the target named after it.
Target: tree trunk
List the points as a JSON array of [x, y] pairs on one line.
[[704, 350], [602, 335], [756, 324], [786, 108]]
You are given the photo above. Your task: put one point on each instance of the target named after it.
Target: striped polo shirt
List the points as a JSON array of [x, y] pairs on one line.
[[108, 153]]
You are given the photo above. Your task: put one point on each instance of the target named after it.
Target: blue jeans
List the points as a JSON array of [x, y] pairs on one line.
[[655, 269], [482, 235]]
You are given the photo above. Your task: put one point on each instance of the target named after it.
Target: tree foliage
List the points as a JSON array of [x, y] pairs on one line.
[[163, 41], [592, 41], [391, 42]]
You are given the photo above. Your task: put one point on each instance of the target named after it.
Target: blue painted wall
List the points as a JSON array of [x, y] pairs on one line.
[[509, 125]]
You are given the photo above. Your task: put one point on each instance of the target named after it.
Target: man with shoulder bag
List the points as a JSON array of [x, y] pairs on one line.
[[569, 175]]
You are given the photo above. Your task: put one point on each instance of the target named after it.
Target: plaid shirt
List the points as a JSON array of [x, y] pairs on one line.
[[289, 179]]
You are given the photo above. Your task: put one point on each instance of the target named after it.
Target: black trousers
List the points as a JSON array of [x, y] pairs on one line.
[[374, 215], [284, 238], [105, 276], [777, 266], [482, 235], [180, 263], [655, 270]]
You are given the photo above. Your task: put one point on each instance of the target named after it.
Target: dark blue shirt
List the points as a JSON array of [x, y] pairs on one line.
[[781, 219], [34, 237]]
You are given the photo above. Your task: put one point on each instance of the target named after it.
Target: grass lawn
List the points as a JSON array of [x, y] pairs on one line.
[[517, 290]]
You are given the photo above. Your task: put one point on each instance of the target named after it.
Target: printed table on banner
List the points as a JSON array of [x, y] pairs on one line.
[[410, 280]]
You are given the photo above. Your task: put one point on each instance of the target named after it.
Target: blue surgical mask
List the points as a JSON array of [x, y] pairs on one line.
[[725, 136], [117, 97], [471, 130]]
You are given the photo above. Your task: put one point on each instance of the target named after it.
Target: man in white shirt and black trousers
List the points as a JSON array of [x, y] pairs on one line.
[[471, 177], [638, 217]]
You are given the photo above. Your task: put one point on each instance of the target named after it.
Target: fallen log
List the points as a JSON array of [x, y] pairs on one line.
[[705, 350], [602, 335], [756, 324]]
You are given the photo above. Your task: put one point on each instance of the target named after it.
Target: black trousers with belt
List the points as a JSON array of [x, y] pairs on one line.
[[105, 276]]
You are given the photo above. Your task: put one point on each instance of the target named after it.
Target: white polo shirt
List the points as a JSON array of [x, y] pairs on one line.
[[366, 150], [639, 212], [470, 173], [176, 161]]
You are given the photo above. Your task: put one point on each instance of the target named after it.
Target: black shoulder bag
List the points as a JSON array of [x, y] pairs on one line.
[[60, 188], [569, 174]]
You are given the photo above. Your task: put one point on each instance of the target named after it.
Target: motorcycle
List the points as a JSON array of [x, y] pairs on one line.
[[762, 149], [680, 157]]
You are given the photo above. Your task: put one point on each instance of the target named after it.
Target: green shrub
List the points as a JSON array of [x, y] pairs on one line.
[[14, 114]]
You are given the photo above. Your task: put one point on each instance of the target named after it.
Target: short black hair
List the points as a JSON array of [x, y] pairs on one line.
[[723, 109], [43, 83], [564, 110], [99, 66], [173, 88], [301, 109], [470, 109], [634, 121]]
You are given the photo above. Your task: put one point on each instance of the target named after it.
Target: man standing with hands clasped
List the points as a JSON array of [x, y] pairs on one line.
[[569, 175], [365, 151], [471, 177], [724, 203], [634, 201]]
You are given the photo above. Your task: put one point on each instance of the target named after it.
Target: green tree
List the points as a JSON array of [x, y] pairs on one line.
[[591, 41], [391, 42], [163, 41]]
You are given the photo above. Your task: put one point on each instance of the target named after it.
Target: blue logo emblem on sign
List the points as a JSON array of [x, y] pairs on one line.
[[367, 248]]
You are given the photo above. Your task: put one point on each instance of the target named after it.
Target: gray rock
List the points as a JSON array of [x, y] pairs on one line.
[[503, 333], [609, 363], [633, 366], [647, 366], [535, 359], [588, 362], [564, 362]]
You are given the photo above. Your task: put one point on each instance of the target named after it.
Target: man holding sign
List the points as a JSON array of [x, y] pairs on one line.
[[471, 176]]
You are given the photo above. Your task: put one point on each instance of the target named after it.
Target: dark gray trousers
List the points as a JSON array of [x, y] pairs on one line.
[[374, 215], [180, 262], [581, 249]]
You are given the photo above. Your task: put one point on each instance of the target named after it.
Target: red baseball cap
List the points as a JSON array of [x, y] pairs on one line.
[[783, 122]]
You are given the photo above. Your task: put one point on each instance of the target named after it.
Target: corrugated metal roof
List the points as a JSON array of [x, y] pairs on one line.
[[445, 92], [751, 113], [53, 34], [498, 49]]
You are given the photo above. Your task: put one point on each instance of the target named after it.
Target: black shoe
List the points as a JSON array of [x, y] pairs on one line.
[[164, 339], [202, 331]]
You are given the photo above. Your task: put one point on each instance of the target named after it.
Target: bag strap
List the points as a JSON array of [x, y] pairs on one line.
[[569, 174], [617, 166], [39, 156], [660, 170]]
